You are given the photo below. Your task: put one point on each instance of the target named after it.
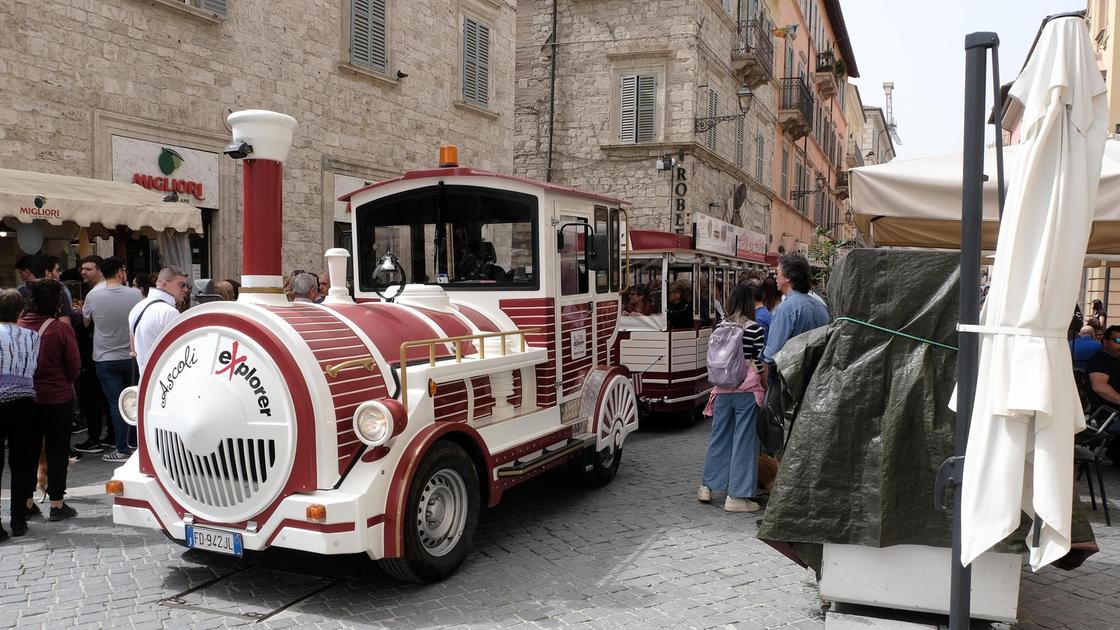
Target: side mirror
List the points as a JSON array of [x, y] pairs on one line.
[[599, 257]]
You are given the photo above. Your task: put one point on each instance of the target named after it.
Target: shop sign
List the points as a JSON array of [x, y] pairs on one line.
[[191, 174], [754, 243], [38, 209]]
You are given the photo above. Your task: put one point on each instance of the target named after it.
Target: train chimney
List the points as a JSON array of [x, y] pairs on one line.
[[262, 138]]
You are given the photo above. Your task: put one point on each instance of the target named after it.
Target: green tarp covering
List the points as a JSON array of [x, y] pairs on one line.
[[871, 422]]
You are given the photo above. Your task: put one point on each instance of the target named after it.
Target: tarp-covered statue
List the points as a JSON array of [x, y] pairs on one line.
[[870, 409]]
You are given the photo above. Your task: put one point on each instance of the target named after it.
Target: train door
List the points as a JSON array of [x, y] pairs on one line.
[[575, 355], [607, 286]]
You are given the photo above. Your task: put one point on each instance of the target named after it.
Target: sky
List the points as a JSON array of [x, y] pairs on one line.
[[920, 46]]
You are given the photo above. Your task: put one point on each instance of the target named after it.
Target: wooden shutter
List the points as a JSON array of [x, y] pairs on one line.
[[476, 62], [759, 167], [221, 7], [713, 111], [368, 42], [739, 131], [647, 108], [628, 114]]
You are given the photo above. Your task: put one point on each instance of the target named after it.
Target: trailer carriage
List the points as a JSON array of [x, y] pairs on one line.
[[479, 350], [668, 359]]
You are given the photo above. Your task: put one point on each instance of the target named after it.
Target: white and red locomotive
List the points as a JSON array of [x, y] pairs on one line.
[[384, 424]]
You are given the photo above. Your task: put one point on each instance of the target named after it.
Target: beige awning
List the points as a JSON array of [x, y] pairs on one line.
[[917, 202], [98, 204]]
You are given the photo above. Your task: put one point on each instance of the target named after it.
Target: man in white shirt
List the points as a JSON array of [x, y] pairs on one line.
[[155, 313]]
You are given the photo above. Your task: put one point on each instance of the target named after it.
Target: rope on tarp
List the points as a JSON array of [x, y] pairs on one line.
[[895, 332]]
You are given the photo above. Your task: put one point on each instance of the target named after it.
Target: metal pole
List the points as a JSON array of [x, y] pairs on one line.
[[997, 118], [976, 47]]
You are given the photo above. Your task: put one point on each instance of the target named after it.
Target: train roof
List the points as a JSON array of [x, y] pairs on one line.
[[460, 171], [642, 241]]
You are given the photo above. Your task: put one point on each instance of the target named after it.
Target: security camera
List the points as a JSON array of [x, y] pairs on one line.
[[239, 151]]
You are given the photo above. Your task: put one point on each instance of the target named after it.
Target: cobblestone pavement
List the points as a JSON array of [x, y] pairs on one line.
[[639, 553]]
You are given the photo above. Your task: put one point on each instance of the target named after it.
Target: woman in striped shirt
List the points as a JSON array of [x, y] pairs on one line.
[[19, 353], [732, 461]]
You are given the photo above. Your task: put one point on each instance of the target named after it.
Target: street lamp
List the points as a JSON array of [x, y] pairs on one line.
[[746, 98], [797, 194]]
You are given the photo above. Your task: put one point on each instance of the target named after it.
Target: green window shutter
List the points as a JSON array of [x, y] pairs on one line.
[[628, 119], [368, 41], [647, 108], [221, 7], [476, 62]]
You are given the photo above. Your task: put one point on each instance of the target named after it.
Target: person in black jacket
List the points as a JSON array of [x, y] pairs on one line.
[[679, 311]]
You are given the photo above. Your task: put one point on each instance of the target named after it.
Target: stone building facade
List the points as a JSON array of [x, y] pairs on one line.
[[814, 62], [619, 115], [376, 85]]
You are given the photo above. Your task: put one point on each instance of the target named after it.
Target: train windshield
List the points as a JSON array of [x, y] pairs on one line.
[[459, 237]]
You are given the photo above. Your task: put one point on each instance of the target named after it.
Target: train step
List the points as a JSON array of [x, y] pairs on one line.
[[523, 466]]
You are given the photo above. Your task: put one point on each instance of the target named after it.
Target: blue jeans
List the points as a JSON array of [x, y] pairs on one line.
[[732, 461], [114, 377]]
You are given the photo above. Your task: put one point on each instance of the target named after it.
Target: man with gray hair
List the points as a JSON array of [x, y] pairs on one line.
[[305, 288], [155, 313]]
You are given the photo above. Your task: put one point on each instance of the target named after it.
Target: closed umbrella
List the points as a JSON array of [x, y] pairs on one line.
[[1020, 447]]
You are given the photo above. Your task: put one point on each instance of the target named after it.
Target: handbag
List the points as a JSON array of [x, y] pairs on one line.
[[771, 424]]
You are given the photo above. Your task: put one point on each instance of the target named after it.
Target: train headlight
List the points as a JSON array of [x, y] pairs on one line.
[[129, 404], [373, 423]]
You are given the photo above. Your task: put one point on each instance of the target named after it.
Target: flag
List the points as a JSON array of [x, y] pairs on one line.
[[789, 31]]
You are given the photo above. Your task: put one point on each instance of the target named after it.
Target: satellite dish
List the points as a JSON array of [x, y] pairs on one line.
[[740, 195]]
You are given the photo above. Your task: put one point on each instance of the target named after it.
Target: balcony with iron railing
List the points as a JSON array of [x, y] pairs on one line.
[[826, 74], [752, 59], [795, 108], [853, 158]]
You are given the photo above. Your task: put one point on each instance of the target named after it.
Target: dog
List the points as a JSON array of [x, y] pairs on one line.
[[41, 475], [767, 471]]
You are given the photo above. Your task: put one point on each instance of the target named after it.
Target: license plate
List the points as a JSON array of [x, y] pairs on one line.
[[214, 540]]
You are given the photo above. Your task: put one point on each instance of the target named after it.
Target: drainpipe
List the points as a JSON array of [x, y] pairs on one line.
[[552, 95]]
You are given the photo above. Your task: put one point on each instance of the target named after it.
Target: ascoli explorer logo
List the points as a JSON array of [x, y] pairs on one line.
[[169, 161], [39, 209], [238, 365]]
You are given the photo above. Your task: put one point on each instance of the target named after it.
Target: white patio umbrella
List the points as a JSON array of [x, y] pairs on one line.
[[1020, 446]]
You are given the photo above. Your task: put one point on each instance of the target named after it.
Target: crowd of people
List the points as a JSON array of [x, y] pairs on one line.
[[770, 312], [63, 366]]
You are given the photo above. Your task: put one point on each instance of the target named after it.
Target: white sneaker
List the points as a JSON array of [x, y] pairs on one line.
[[740, 504], [704, 494]]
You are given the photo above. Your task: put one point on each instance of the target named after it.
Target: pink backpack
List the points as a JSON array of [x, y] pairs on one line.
[[726, 365]]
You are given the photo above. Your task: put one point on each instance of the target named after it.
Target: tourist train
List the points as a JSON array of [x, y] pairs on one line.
[[481, 346]]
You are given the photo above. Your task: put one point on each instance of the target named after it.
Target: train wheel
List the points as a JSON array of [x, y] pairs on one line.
[[616, 416], [440, 517]]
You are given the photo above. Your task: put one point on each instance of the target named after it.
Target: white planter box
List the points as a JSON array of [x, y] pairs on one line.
[[916, 577]]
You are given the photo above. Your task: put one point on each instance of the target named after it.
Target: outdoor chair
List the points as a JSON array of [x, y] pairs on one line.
[[1089, 448]]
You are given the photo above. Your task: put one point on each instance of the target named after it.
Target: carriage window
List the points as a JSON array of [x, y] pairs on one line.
[[704, 297], [460, 237], [573, 260], [643, 295], [682, 299], [602, 278], [616, 244]]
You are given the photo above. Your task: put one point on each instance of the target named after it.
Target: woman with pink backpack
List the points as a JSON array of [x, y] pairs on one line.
[[734, 350]]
